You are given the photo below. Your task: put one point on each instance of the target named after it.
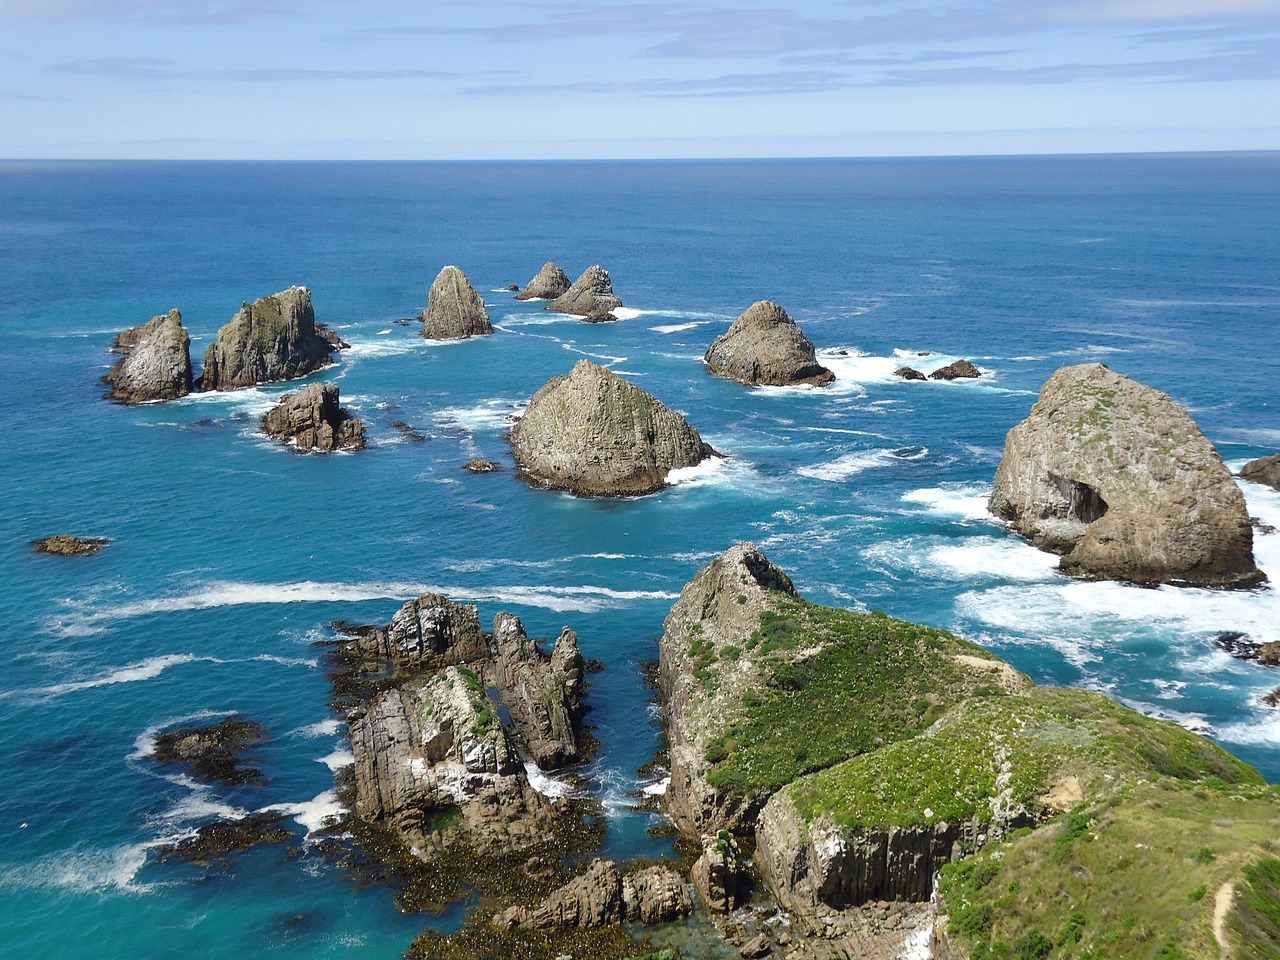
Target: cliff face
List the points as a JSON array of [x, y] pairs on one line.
[[591, 296], [542, 691], [550, 283], [1117, 478], [271, 339], [594, 434], [455, 310], [313, 419], [765, 347], [156, 364]]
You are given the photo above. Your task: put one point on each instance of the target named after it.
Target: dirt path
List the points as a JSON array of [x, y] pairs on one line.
[[1221, 907]]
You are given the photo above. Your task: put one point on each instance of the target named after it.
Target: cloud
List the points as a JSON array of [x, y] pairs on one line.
[[120, 68], [152, 12]]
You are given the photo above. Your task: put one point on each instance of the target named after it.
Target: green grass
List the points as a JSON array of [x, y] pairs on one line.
[[1255, 923]]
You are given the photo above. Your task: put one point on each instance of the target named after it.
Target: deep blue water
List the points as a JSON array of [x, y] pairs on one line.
[[231, 554]]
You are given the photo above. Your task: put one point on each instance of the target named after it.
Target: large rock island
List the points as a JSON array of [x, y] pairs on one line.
[[455, 310], [1117, 478], [595, 434], [271, 339], [765, 347], [156, 364]]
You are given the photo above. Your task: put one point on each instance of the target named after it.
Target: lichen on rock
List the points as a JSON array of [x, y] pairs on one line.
[[765, 347], [455, 310]]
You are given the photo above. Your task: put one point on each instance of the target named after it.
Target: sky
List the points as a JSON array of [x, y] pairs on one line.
[[439, 79]]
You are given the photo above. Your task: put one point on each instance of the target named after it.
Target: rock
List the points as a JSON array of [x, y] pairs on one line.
[[603, 896], [1117, 478], [909, 373], [1272, 699], [330, 336], [594, 434], [62, 545], [1241, 647], [426, 634], [960, 370], [213, 752], [591, 296], [215, 841], [551, 283], [436, 746], [542, 691], [755, 948], [313, 420], [512, 288], [455, 311], [765, 347], [720, 874], [1265, 470], [482, 466], [271, 339], [156, 364], [409, 432]]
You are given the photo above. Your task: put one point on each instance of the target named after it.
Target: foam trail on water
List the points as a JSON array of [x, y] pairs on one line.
[[545, 785], [147, 669], [339, 758], [495, 414], [999, 559], [968, 502], [324, 728], [852, 464], [82, 869], [144, 745], [314, 814]]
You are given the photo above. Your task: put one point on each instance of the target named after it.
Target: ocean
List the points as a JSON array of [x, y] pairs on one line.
[[232, 554]]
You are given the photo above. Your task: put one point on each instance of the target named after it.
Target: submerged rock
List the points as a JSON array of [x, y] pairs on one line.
[[1264, 470], [1117, 478], [455, 310], [603, 896], [271, 339], [313, 420], [62, 545], [591, 296], [594, 434], [217, 840], [156, 364], [960, 370], [909, 373], [482, 466], [550, 284], [213, 752], [765, 347]]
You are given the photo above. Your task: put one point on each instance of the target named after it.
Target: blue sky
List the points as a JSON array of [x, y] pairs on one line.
[[382, 79]]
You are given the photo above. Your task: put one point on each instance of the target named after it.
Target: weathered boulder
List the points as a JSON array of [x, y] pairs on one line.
[[425, 634], [720, 874], [595, 434], [455, 310], [1117, 478], [909, 373], [550, 284], [64, 545], [1265, 470], [542, 691], [765, 347], [591, 296], [960, 370], [270, 339], [436, 746], [604, 895], [156, 364], [313, 420]]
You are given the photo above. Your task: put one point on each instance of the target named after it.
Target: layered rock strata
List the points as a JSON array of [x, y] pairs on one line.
[[603, 896], [550, 283], [591, 296], [594, 434], [156, 364], [765, 347], [455, 310], [1117, 478], [271, 339], [313, 420], [542, 691]]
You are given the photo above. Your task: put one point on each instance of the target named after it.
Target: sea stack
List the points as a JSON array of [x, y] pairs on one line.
[[591, 296], [550, 283], [1117, 478], [594, 434], [764, 347], [156, 364], [313, 420], [455, 311], [270, 339]]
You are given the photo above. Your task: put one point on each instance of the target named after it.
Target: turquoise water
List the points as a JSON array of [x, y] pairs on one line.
[[231, 554]]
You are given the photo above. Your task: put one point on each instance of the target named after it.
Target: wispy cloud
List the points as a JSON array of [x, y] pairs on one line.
[[149, 69]]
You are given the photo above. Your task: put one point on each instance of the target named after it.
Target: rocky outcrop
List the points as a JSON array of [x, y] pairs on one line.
[[591, 296], [213, 752], [720, 874], [429, 633], [427, 748], [156, 364], [270, 339], [550, 284], [331, 337], [603, 896], [1241, 647], [455, 310], [62, 545], [313, 420], [1264, 470], [542, 691], [960, 370], [594, 434], [1117, 478], [909, 373], [720, 607], [765, 347], [482, 466]]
